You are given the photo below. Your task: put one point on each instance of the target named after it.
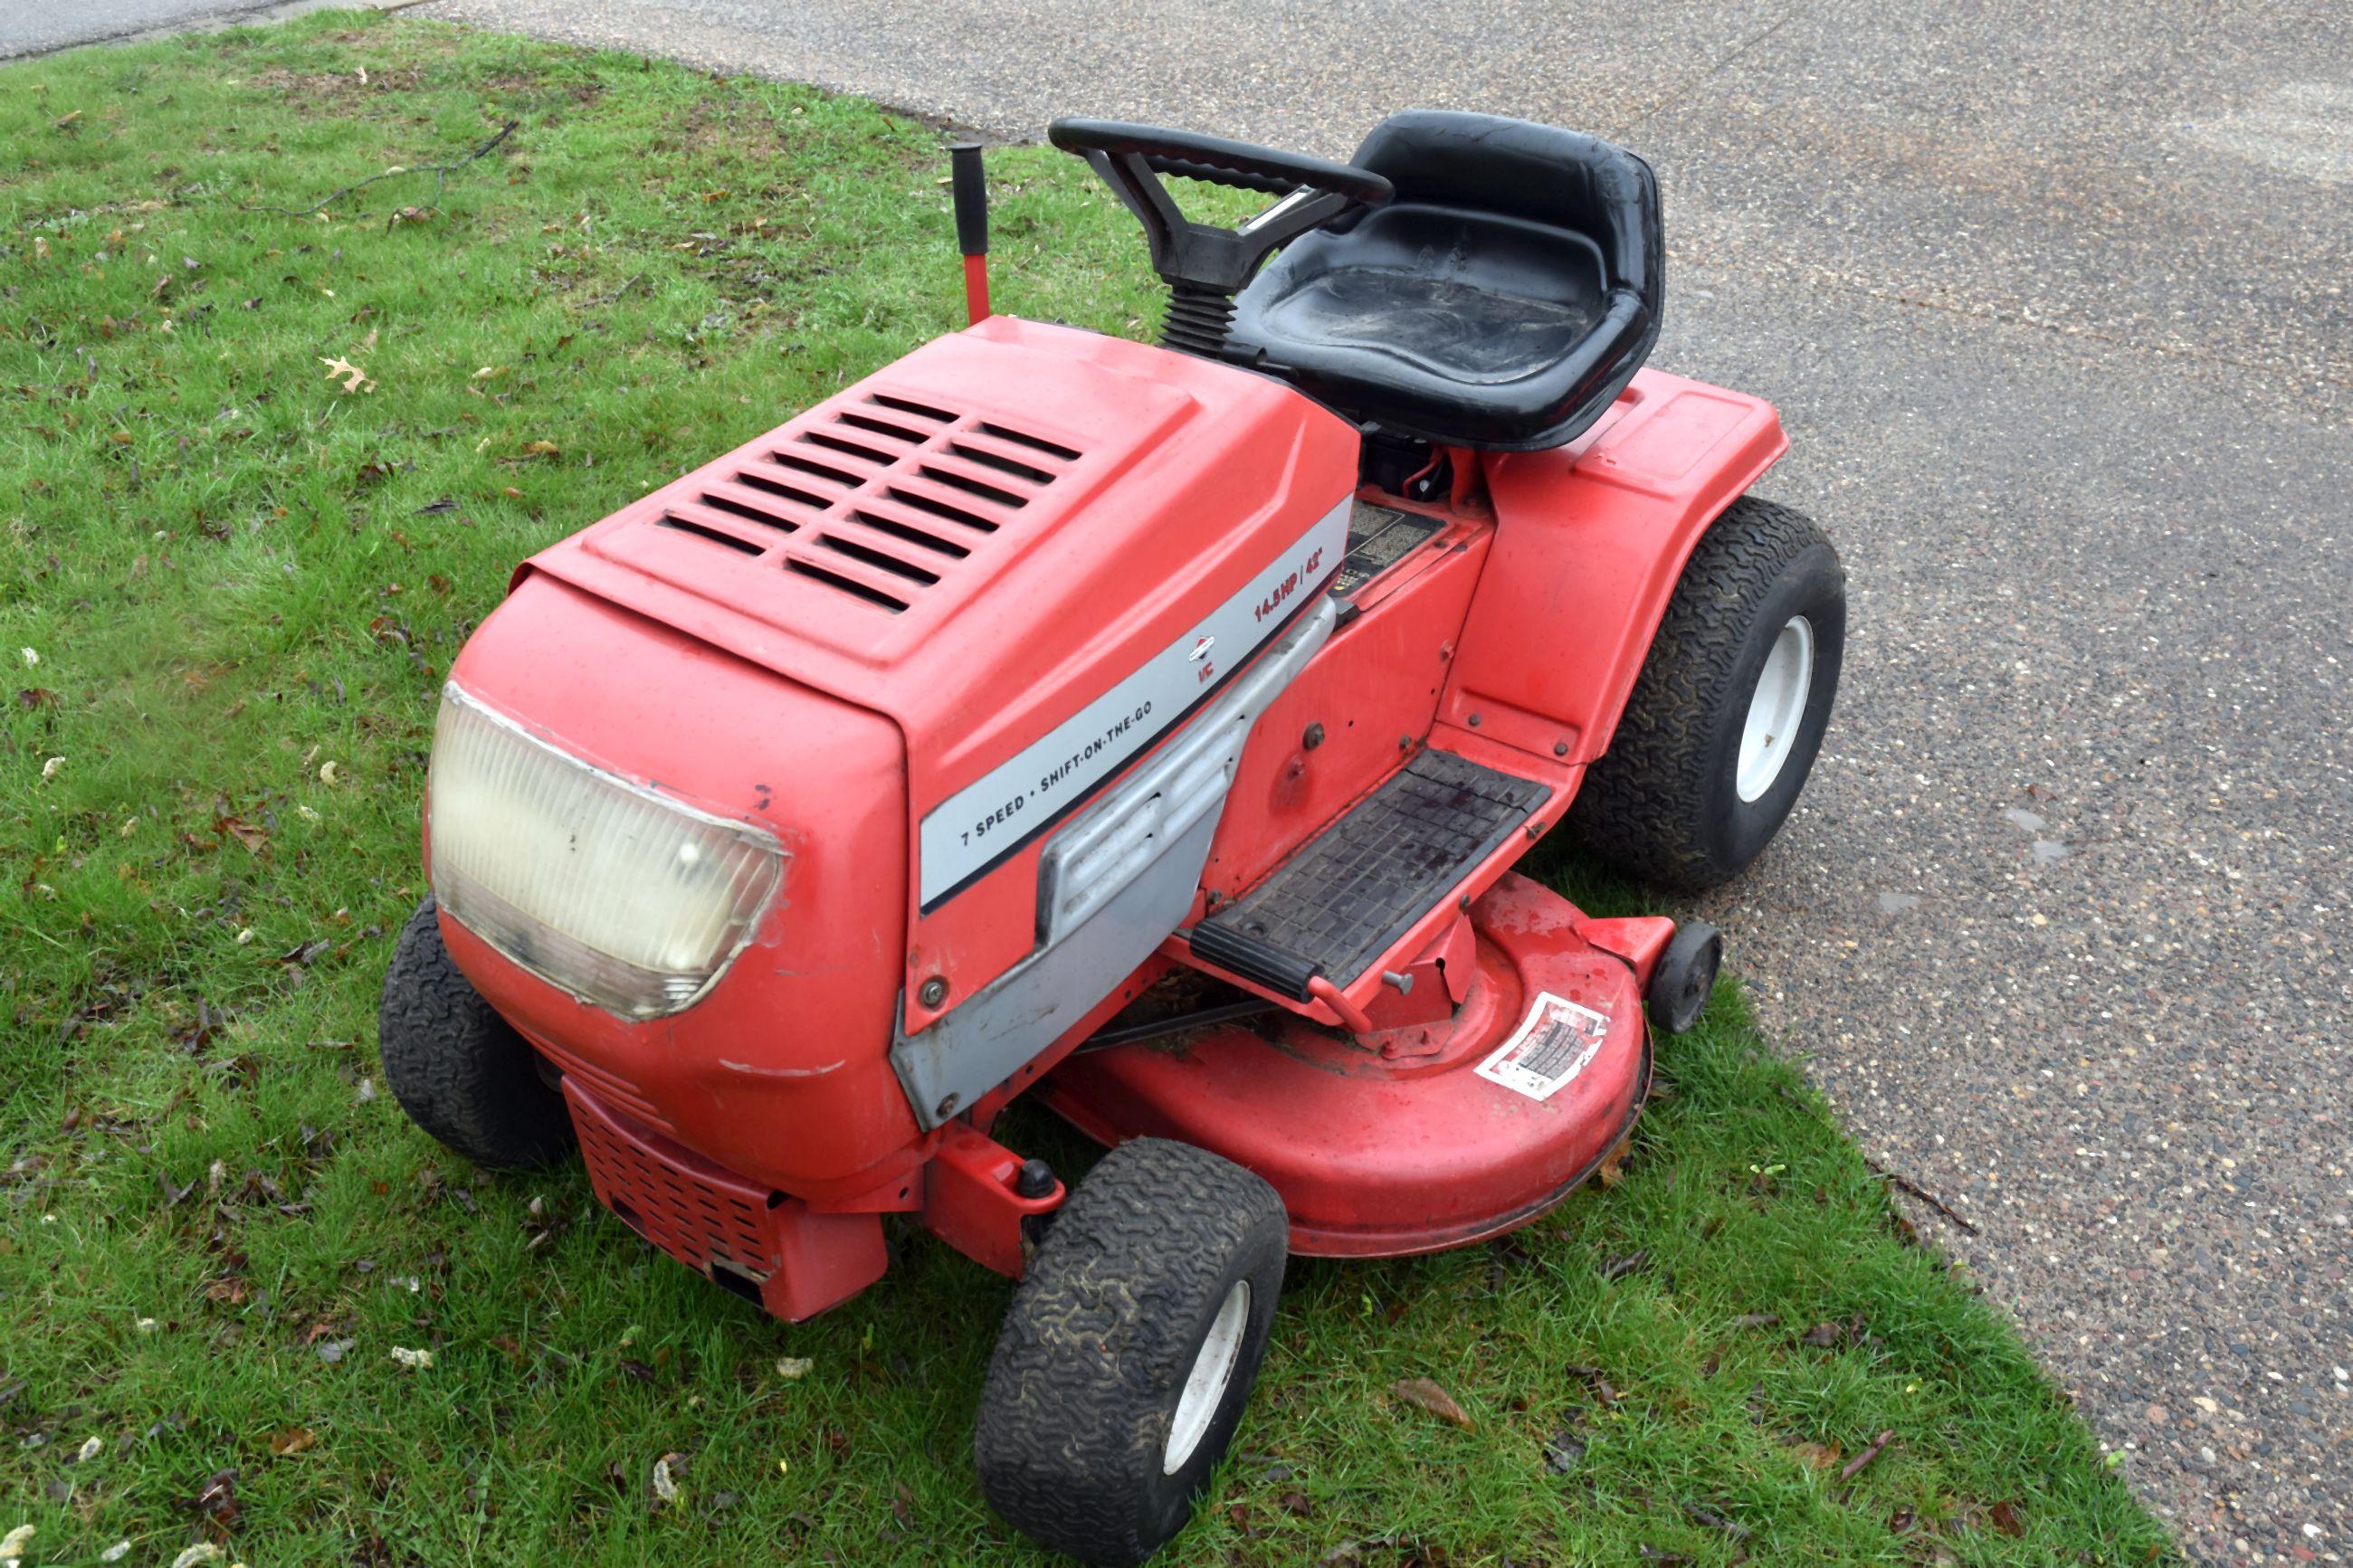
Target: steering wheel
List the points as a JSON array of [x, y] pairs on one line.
[[1199, 259]]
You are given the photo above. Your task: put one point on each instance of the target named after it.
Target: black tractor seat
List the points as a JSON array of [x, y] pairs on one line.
[[1501, 300]]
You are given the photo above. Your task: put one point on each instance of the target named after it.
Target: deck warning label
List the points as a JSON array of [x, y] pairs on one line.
[[1549, 1049]]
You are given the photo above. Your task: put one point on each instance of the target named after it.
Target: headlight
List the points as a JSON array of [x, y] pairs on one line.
[[619, 895]]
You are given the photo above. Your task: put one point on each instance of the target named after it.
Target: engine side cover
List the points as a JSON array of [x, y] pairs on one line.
[[1036, 548]]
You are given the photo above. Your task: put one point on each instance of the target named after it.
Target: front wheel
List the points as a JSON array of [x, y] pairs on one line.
[[1129, 1351], [461, 1071], [1724, 721]]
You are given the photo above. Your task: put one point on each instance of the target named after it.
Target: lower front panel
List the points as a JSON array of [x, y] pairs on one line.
[[764, 1246]]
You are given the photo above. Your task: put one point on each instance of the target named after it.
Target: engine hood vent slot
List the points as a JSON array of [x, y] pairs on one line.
[[877, 503], [846, 448], [997, 460], [909, 406], [814, 469], [1034, 443], [716, 536], [850, 586], [971, 486], [883, 428], [937, 508]]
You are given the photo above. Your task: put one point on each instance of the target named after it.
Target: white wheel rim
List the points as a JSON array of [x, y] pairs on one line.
[[1777, 708], [1205, 1385]]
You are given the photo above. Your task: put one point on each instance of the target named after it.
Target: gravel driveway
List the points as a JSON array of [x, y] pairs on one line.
[[2054, 300]]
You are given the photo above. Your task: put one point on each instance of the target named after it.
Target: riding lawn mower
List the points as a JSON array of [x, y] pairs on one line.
[[1152, 728]]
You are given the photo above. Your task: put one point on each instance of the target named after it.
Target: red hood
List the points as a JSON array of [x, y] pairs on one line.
[[981, 535]]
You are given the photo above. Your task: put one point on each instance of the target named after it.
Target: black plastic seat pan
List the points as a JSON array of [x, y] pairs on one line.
[[1502, 300]]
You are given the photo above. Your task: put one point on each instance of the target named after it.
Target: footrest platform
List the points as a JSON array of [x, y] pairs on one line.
[[1339, 902]]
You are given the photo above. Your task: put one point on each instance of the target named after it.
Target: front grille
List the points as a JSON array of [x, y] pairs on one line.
[[691, 1209], [877, 503]]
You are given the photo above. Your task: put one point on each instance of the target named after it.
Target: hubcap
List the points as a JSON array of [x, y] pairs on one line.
[[1777, 708], [1205, 1385]]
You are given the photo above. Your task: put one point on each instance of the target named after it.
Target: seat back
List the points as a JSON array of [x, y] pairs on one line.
[[1561, 179], [1501, 300]]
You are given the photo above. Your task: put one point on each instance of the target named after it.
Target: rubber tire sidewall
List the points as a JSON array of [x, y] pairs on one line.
[[1662, 802], [460, 1069], [1173, 1496], [1679, 990], [1082, 1389], [1735, 831]]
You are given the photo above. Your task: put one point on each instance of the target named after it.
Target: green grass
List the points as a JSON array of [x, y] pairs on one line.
[[241, 587]]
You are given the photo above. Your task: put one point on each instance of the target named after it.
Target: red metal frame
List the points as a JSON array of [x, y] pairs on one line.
[[971, 1202], [1102, 498]]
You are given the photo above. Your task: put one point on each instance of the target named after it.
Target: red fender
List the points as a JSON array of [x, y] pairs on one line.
[[1590, 539]]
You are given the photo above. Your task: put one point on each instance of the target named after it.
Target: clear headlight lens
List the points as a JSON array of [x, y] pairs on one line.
[[619, 895]]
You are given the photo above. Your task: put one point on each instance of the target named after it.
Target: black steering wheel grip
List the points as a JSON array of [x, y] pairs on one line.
[[1219, 161]]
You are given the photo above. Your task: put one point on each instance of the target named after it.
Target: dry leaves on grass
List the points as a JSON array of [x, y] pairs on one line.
[[355, 379], [1424, 1394], [667, 1469], [1836, 1334], [215, 1501]]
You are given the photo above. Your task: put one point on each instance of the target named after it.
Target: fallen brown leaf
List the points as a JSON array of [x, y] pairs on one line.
[[666, 1469], [292, 1441], [1604, 1391], [1423, 1394], [354, 378], [216, 1500]]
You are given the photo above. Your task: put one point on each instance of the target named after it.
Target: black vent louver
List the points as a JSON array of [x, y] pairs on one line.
[[879, 502]]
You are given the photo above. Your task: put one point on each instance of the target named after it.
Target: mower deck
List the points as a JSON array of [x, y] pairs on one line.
[[1415, 1139]]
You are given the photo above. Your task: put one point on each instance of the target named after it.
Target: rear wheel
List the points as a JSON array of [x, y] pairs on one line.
[[460, 1071], [1129, 1351], [1724, 721]]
